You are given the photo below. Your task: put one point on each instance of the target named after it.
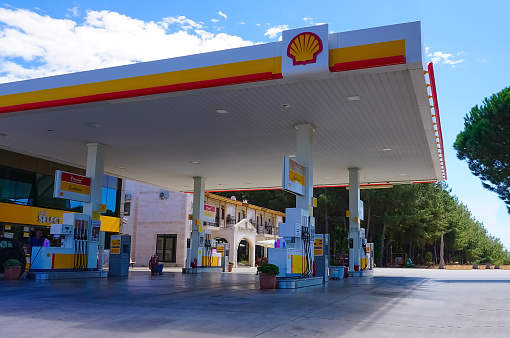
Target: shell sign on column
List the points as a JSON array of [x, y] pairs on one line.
[[304, 48]]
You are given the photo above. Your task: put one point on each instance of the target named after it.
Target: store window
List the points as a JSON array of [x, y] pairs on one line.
[[165, 247], [127, 208], [34, 189]]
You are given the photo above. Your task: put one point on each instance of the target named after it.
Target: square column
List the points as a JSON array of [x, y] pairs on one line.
[[304, 156], [95, 170], [198, 209], [354, 225]]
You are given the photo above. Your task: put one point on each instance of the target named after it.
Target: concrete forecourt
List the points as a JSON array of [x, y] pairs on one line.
[[393, 303]]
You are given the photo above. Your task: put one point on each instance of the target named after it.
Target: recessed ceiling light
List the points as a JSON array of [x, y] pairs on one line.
[[327, 178], [247, 182], [386, 149], [403, 174], [353, 98], [292, 156], [221, 111], [285, 105], [122, 167], [195, 162]]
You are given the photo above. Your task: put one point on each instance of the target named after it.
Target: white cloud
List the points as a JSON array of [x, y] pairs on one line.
[[274, 31], [242, 23], [214, 20], [73, 12], [223, 15], [34, 45], [257, 24], [444, 58], [308, 20], [182, 21]]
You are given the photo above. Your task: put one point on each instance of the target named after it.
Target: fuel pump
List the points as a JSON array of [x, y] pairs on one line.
[[207, 254], [295, 259], [78, 246], [362, 249]]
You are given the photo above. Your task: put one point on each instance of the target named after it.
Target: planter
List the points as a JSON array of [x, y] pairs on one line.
[[267, 282], [12, 272], [336, 272], [230, 266]]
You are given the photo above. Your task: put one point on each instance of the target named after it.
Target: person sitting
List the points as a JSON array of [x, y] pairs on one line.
[[38, 240]]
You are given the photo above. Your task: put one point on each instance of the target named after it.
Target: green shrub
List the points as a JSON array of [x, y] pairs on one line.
[[428, 256], [12, 262], [269, 269]]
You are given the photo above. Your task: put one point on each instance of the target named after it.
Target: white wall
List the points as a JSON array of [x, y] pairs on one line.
[[151, 216]]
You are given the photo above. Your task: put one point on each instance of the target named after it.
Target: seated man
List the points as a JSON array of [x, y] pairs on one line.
[[38, 240]]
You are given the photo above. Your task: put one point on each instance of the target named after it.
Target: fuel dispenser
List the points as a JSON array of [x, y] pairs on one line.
[[296, 258], [207, 252], [120, 253], [79, 239], [321, 255], [366, 252], [224, 250]]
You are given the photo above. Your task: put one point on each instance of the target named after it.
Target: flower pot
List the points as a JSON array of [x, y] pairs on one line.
[[267, 281], [12, 272], [230, 266]]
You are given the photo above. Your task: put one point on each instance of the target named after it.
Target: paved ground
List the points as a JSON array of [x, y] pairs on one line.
[[394, 303]]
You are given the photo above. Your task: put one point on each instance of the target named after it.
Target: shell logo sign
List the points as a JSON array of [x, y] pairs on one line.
[[305, 51], [304, 48]]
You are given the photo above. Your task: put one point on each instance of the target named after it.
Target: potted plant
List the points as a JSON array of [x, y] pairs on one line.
[[230, 266], [12, 269], [267, 275]]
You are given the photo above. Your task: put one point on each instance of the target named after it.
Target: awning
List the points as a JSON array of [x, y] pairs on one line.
[[266, 243]]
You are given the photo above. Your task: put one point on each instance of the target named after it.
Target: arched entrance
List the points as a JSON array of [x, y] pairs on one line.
[[243, 253]]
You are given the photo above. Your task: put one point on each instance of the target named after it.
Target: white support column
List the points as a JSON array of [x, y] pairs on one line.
[[304, 156], [354, 227], [95, 170], [198, 208]]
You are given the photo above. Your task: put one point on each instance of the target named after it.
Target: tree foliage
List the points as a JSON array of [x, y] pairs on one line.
[[405, 219], [485, 143]]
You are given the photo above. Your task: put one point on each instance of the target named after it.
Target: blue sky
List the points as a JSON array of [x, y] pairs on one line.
[[467, 40]]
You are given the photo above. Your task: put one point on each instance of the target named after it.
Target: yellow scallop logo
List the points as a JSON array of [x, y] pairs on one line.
[[304, 48]]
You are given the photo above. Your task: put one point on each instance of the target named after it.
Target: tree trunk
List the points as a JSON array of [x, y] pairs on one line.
[[382, 244], [441, 253]]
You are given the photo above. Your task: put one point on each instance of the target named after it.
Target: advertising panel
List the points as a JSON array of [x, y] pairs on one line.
[[71, 186], [115, 245], [293, 176], [209, 213]]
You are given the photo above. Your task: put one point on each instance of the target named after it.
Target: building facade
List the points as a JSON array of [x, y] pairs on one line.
[[27, 203], [158, 221]]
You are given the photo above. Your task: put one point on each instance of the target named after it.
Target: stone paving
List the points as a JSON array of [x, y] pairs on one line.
[[393, 303]]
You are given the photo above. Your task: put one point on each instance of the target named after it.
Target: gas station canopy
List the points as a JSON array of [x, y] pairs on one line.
[[230, 116]]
